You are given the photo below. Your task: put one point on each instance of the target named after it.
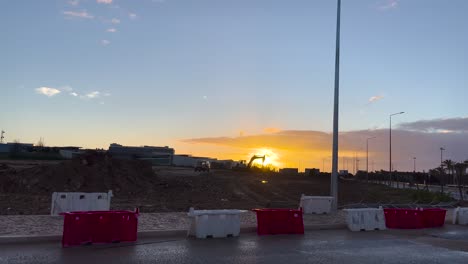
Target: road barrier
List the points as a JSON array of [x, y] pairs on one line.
[[79, 201], [214, 223], [403, 218], [279, 221], [433, 217], [99, 227], [316, 204], [365, 219], [414, 218], [460, 216]]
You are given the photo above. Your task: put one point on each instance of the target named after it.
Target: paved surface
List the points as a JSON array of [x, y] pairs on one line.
[[53, 225], [450, 190], [332, 246]]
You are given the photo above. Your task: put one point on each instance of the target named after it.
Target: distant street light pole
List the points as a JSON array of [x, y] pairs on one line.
[[441, 151], [390, 165], [367, 157], [442, 170], [414, 164], [334, 175]]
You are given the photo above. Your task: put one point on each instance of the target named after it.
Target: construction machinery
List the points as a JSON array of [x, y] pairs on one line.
[[242, 166]]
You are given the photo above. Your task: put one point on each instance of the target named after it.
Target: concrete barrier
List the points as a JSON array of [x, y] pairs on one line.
[[460, 216], [365, 219], [214, 223], [79, 201], [316, 204]]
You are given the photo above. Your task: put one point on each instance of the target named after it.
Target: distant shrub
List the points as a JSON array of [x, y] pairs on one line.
[[424, 196]]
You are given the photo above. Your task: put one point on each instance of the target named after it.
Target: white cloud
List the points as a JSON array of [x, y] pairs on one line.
[[132, 15], [66, 88], [92, 95], [74, 2], [74, 94], [375, 98], [388, 4], [115, 21], [111, 30], [105, 42], [104, 1], [47, 91], [79, 14], [107, 94]]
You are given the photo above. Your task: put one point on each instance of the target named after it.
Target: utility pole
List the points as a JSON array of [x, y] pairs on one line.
[[2, 137], [367, 157], [442, 172], [354, 164], [334, 175], [390, 155], [441, 151]]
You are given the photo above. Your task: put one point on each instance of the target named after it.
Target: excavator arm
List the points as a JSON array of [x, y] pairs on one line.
[[254, 157]]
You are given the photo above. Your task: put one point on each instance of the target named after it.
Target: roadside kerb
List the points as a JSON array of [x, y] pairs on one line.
[[147, 234]]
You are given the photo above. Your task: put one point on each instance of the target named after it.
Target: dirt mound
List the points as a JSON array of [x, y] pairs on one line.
[[92, 172], [4, 166]]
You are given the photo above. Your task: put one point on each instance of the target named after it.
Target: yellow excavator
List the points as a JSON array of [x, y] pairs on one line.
[[242, 166], [255, 157]]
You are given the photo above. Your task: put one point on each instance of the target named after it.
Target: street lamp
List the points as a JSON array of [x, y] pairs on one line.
[[414, 164], [367, 156], [390, 165], [334, 175], [441, 150], [442, 172]]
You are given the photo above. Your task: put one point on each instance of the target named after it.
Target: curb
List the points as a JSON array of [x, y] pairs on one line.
[[30, 239], [325, 227], [25, 239]]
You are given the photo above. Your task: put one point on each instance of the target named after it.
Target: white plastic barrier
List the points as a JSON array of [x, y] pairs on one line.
[[316, 204], [365, 219], [79, 201], [214, 223], [460, 216]]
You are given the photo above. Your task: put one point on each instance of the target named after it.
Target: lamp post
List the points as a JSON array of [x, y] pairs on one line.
[[414, 164], [334, 175], [390, 164], [441, 151], [442, 172], [367, 156]]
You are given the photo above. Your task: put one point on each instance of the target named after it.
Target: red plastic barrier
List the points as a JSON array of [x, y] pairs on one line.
[[279, 221], [404, 218], [99, 227], [434, 217]]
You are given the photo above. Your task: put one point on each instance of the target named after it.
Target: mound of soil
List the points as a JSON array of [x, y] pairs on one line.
[[92, 172]]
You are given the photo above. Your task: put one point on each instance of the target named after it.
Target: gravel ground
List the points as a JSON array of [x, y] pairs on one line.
[[52, 225]]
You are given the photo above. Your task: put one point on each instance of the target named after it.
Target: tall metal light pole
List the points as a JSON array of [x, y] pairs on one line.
[[334, 175], [390, 165], [441, 150], [414, 164], [442, 170], [367, 157]]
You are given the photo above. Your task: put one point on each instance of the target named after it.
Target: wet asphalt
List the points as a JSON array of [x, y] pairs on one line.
[[447, 245]]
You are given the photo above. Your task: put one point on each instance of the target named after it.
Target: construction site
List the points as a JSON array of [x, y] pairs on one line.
[[26, 186]]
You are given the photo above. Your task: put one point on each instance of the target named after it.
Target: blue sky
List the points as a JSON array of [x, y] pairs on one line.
[[156, 72]]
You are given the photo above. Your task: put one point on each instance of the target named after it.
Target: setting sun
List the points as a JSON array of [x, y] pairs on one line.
[[271, 158]]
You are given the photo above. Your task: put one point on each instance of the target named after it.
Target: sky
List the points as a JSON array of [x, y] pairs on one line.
[[230, 79]]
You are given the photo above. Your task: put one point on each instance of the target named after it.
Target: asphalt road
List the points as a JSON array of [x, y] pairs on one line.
[[333, 246]]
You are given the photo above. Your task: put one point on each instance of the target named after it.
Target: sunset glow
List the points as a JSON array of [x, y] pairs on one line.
[[271, 158]]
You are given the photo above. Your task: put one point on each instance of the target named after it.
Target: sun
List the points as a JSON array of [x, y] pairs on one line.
[[271, 158]]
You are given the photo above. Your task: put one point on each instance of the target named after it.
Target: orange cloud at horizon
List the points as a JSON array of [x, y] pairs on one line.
[[312, 149]]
